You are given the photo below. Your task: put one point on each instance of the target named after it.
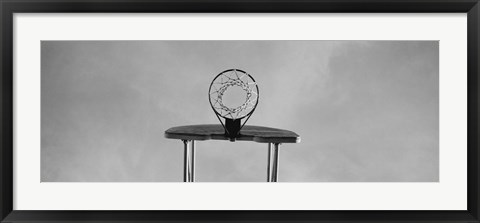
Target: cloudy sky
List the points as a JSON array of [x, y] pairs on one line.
[[367, 111]]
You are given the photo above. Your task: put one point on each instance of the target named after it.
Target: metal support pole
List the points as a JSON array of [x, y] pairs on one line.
[[275, 154], [272, 168], [192, 161], [269, 163], [185, 161], [189, 161]]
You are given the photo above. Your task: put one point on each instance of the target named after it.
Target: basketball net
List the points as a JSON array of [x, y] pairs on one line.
[[233, 115]]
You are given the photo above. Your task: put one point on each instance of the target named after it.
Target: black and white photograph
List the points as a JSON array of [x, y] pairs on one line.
[[239, 111]]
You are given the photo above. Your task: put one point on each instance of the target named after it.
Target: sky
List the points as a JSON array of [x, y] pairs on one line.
[[366, 111]]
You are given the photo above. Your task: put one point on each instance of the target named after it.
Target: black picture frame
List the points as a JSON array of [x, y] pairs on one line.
[[9, 7]]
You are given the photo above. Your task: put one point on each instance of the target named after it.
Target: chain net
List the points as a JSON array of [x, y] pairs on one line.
[[226, 80]]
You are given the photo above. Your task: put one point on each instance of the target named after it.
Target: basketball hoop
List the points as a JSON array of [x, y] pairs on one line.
[[233, 95]]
